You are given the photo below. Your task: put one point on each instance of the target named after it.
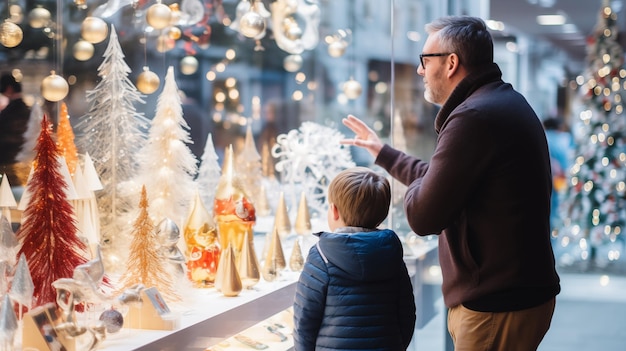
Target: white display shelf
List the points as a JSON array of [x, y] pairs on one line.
[[211, 318]]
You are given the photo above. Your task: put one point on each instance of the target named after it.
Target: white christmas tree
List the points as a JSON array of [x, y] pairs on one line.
[[168, 167], [594, 203], [208, 174], [112, 133], [27, 153]]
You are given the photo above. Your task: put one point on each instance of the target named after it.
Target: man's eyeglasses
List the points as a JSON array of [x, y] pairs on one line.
[[432, 55]]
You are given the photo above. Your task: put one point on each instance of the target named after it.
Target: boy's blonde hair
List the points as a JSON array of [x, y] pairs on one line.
[[361, 196]]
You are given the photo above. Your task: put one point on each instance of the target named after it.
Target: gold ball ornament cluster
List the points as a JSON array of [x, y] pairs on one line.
[[147, 81], [39, 17], [251, 24], [94, 30], [159, 16], [54, 87], [188, 65], [352, 89], [11, 34], [83, 50]]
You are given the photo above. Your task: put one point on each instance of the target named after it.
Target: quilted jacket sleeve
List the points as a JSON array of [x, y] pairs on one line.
[[310, 301]]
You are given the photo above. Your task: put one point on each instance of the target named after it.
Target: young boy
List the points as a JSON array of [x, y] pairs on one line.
[[354, 292]]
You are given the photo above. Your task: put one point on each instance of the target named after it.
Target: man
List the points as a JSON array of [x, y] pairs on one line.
[[485, 192], [13, 124]]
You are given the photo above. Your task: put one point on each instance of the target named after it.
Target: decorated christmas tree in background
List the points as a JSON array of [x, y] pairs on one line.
[[48, 231], [168, 166], [594, 203], [145, 264], [112, 133]]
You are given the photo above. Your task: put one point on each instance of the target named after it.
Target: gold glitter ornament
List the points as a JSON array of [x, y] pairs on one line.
[[11, 34], [274, 257], [83, 50], [147, 81], [94, 30], [303, 217], [230, 284], [248, 266], [159, 16], [54, 87], [296, 260]]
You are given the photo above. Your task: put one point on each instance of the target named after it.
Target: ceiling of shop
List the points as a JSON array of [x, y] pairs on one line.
[[520, 16]]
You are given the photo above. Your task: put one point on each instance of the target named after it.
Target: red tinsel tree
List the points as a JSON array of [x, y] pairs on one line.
[[48, 232]]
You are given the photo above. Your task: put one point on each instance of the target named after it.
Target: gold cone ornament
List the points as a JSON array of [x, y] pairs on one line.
[[262, 205], [267, 163], [202, 245], [296, 260], [249, 168], [248, 266], [281, 219], [230, 284], [303, 218], [234, 211], [274, 257]]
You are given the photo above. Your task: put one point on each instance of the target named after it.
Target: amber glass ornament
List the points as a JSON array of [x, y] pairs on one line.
[[202, 246], [234, 211]]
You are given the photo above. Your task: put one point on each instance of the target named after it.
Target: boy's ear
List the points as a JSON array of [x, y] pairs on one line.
[[334, 211]]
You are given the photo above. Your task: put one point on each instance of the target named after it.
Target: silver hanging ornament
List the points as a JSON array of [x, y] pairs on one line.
[[94, 30], [83, 50], [148, 81], [252, 25], [188, 65], [292, 63], [54, 87], [39, 17]]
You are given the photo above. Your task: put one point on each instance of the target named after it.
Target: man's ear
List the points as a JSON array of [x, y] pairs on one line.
[[452, 64]]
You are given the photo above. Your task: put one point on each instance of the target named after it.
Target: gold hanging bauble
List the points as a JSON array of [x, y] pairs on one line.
[[174, 33], [94, 30], [303, 217], [352, 89], [147, 81], [248, 266], [83, 50], [39, 17], [251, 24], [337, 48], [188, 65], [54, 87], [296, 260], [159, 16], [11, 34], [292, 63]]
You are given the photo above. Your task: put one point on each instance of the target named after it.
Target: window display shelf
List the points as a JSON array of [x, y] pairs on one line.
[[210, 318]]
